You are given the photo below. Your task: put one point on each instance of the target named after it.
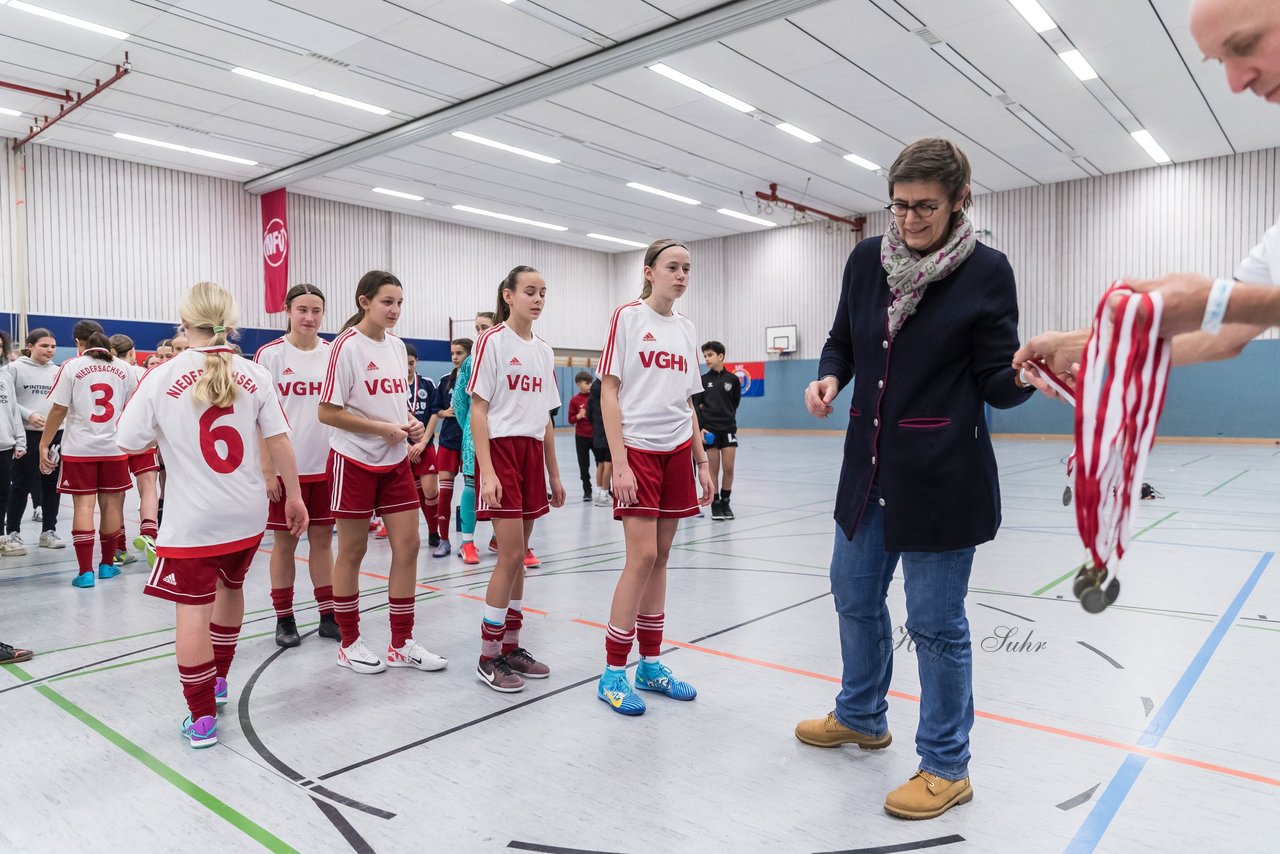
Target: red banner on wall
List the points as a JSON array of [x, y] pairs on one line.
[[275, 248]]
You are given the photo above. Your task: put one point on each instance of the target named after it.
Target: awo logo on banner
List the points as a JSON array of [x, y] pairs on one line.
[[275, 243]]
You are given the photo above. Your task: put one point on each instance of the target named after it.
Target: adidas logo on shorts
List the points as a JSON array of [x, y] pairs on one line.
[[66, 483], [372, 367], [170, 579], [515, 361], [286, 371], [648, 336]]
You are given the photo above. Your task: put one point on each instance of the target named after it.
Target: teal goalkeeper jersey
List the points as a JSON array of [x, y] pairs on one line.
[[461, 402]]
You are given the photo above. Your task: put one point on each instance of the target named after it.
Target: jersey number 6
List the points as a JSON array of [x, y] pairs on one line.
[[228, 435]]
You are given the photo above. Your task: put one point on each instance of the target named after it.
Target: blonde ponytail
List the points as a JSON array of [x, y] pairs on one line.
[[212, 308]]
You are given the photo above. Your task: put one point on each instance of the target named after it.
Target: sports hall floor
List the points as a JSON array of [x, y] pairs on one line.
[[1149, 727]]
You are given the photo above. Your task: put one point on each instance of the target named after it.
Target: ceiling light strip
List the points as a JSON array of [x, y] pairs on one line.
[[676, 197], [621, 240], [399, 194], [67, 19], [745, 217], [173, 146], [698, 86], [509, 218], [502, 146], [309, 90]]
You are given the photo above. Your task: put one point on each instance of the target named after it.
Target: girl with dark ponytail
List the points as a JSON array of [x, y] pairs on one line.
[[89, 394]]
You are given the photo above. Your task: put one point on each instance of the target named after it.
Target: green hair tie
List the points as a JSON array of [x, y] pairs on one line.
[[217, 330]]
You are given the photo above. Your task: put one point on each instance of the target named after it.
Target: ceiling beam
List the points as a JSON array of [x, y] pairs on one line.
[[708, 26]]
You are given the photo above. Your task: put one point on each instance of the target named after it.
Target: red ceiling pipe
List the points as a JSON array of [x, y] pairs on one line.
[[65, 95], [772, 197], [79, 100]]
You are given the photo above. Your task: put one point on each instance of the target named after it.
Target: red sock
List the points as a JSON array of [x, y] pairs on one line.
[[121, 542], [431, 510], [649, 634], [148, 528], [324, 599], [346, 610], [511, 637], [445, 502], [108, 544], [491, 640], [224, 646], [197, 687], [282, 601], [82, 541], [617, 645], [401, 619]]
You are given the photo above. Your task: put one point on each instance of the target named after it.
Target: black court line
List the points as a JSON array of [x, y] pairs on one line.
[[903, 846], [552, 849], [525, 703], [1003, 611], [1117, 665], [42, 679], [1196, 460], [349, 833]]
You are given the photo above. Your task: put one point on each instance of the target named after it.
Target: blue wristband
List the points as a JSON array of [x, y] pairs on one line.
[[1215, 308]]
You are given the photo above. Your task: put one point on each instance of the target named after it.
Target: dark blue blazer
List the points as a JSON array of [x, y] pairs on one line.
[[917, 422]]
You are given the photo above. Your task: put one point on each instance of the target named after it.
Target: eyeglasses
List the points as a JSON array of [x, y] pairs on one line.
[[924, 210]]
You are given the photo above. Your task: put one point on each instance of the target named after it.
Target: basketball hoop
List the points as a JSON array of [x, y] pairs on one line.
[[775, 352]]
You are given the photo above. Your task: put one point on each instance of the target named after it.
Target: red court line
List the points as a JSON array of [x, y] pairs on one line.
[[1005, 719]]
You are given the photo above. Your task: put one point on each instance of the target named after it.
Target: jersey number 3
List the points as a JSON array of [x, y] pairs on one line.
[[230, 438], [102, 400]]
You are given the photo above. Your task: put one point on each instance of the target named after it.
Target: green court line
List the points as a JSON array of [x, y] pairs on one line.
[[1224, 483], [1071, 572], [201, 796]]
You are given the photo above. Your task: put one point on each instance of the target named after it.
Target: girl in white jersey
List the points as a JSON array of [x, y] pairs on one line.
[[648, 373], [206, 409], [145, 468], [297, 362], [88, 393], [513, 388], [365, 400]]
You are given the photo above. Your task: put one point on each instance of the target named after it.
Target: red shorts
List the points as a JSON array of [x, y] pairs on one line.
[[665, 485], [315, 494], [448, 459], [518, 463], [194, 580], [90, 476], [426, 463], [144, 462], [359, 493]]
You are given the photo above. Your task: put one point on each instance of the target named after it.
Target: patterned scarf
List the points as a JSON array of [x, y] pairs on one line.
[[910, 274]]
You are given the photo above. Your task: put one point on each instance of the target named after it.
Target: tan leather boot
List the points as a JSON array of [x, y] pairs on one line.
[[927, 795], [831, 733]]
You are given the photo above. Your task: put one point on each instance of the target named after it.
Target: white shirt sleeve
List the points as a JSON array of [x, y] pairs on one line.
[[1259, 267], [484, 373], [616, 346], [341, 376], [271, 417], [137, 428], [60, 394]]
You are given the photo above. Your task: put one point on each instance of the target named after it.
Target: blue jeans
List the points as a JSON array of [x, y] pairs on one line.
[[936, 584]]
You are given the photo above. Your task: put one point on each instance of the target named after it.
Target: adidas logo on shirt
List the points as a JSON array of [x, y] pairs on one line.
[[372, 367], [648, 336], [515, 361], [286, 371], [170, 579]]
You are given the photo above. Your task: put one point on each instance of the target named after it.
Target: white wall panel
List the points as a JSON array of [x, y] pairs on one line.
[[113, 239], [8, 299]]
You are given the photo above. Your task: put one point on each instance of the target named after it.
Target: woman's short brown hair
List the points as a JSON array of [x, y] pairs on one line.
[[933, 160]]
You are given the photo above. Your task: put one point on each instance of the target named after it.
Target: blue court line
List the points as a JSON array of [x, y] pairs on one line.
[[1099, 818]]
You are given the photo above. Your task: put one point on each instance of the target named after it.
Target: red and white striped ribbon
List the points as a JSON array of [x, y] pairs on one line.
[[1119, 398]]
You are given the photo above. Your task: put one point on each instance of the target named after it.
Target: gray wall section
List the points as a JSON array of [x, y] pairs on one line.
[[1239, 398]]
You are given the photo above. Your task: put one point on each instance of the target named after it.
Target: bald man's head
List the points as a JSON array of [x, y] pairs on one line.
[[1243, 35]]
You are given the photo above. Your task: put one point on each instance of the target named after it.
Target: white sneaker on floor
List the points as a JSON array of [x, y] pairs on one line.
[[11, 546], [36, 516], [414, 654], [49, 540], [359, 658]]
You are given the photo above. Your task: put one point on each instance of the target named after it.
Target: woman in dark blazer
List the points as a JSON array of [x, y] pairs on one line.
[[925, 329]]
